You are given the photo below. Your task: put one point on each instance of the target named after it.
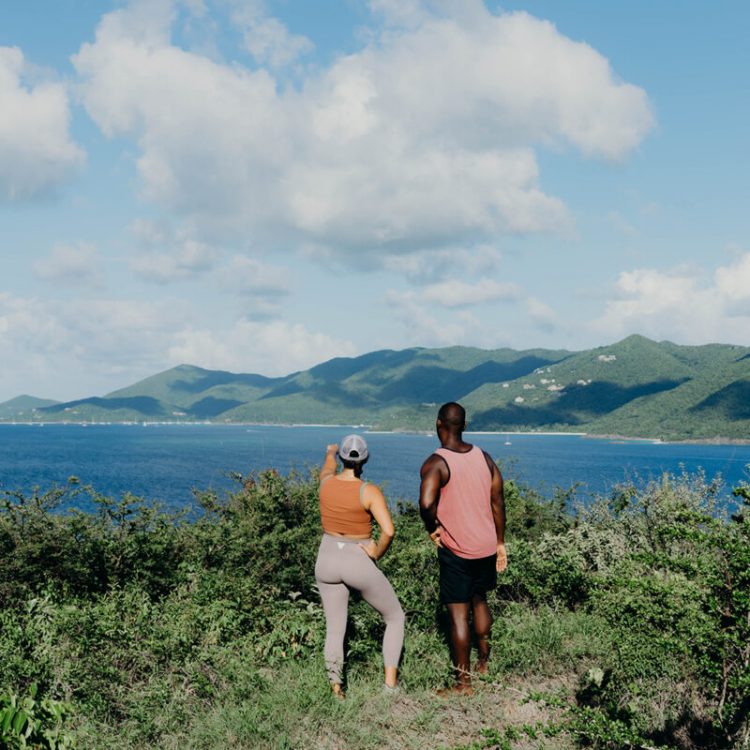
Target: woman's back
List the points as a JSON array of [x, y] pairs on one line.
[[341, 508]]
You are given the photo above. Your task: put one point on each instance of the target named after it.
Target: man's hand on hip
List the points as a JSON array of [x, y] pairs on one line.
[[502, 558], [435, 536]]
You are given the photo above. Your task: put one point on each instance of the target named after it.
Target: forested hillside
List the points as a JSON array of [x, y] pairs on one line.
[[636, 387]]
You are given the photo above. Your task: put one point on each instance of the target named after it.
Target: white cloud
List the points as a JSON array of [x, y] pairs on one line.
[[167, 255], [686, 305], [733, 281], [423, 139], [109, 330], [541, 314], [268, 348], [458, 293], [437, 315], [403, 13], [27, 322], [248, 276], [423, 327], [435, 310], [36, 150], [75, 265], [430, 266], [266, 38], [409, 14], [189, 259], [83, 346], [152, 233], [91, 346], [261, 287]]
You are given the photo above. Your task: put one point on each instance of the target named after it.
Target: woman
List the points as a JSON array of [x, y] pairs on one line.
[[347, 555]]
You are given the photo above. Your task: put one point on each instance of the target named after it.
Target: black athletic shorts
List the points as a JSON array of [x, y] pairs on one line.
[[460, 579]]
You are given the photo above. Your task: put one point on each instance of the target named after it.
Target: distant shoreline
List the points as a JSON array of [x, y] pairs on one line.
[[521, 432], [675, 441], [367, 428]]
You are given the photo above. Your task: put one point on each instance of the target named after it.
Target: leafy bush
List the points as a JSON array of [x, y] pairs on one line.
[[26, 722], [136, 623]]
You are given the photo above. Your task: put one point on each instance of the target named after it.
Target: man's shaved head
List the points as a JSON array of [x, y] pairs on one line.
[[452, 416]]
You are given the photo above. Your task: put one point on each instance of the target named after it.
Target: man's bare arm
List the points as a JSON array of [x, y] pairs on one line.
[[433, 473], [497, 502]]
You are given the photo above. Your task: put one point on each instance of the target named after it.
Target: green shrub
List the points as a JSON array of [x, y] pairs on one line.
[[26, 721], [142, 625]]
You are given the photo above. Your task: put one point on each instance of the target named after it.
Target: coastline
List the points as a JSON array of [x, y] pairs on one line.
[[522, 432], [715, 440]]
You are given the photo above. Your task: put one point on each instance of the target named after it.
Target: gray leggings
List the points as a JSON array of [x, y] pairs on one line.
[[342, 565]]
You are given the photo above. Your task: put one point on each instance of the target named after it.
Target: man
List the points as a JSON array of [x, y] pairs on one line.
[[462, 505]]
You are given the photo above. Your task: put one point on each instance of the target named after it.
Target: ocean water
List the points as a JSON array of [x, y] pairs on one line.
[[166, 462]]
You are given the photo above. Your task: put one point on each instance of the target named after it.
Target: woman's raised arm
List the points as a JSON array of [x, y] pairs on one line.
[[329, 463]]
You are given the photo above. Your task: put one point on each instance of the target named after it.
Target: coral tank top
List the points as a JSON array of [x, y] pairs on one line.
[[341, 510], [464, 510]]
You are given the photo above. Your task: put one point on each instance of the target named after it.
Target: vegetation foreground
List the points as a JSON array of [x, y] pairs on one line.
[[624, 625]]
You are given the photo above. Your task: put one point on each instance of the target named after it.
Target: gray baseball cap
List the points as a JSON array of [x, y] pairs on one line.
[[354, 448]]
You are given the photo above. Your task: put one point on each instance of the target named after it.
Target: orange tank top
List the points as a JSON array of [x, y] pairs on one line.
[[341, 510]]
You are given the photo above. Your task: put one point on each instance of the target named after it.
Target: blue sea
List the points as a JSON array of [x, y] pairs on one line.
[[166, 462]]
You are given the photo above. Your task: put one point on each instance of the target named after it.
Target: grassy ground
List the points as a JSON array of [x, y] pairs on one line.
[[538, 657], [293, 708]]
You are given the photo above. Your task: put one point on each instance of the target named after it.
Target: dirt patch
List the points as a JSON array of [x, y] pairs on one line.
[[423, 721], [498, 706]]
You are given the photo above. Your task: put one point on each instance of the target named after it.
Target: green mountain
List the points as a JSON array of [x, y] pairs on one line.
[[636, 387], [22, 407], [182, 393], [198, 393]]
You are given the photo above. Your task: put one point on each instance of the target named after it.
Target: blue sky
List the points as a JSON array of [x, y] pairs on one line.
[[260, 185]]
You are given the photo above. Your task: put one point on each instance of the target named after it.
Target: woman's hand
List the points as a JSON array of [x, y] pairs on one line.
[[371, 548], [332, 448]]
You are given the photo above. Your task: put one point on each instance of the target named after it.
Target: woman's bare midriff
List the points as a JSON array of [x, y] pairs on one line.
[[348, 536]]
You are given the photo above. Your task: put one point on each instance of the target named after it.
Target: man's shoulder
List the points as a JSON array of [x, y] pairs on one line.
[[432, 458], [432, 462], [491, 464]]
